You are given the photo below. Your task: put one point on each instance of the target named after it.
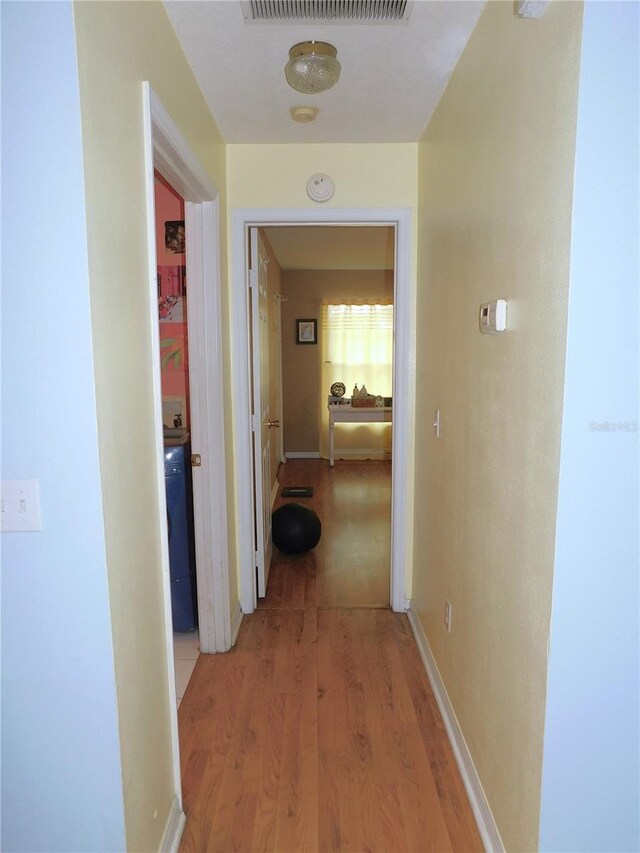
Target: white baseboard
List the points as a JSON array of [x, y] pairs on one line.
[[236, 621], [362, 454], [302, 454], [484, 818], [173, 829], [407, 605], [274, 492]]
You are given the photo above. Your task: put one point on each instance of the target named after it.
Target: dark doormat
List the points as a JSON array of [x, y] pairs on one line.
[[297, 492]]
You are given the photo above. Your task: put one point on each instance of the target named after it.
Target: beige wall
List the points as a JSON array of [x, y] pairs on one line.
[[304, 396], [120, 45], [496, 170]]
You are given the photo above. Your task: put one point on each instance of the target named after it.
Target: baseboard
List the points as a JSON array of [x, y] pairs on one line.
[[173, 829], [274, 492], [407, 605], [484, 818], [302, 454], [363, 454], [236, 621]]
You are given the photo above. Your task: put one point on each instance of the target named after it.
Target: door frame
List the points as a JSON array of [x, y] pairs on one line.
[[403, 381], [166, 150]]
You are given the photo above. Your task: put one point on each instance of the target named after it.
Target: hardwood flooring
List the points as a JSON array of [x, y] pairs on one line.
[[319, 731], [350, 565]]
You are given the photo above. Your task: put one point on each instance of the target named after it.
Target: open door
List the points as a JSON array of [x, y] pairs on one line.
[[261, 420]]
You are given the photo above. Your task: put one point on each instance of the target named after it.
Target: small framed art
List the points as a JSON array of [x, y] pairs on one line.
[[306, 331]]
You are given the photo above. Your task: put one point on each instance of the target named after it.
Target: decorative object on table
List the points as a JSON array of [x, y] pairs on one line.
[[295, 528], [306, 331], [337, 389], [379, 402], [388, 401], [174, 236], [366, 402], [338, 401]]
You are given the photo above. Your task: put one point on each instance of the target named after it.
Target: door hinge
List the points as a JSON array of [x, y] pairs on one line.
[[253, 278], [255, 423]]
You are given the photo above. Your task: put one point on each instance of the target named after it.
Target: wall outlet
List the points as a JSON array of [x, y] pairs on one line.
[[447, 616]]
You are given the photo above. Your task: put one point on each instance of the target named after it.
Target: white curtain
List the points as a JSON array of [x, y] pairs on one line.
[[357, 347]]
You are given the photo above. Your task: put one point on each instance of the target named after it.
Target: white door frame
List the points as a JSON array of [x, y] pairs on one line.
[[403, 360], [167, 150]]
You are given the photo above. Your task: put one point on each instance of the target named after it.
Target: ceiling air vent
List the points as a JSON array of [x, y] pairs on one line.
[[326, 11]]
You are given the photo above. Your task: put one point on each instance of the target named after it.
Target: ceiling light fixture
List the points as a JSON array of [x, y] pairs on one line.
[[312, 67]]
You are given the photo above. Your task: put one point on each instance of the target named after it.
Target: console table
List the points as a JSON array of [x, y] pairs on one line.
[[345, 414]]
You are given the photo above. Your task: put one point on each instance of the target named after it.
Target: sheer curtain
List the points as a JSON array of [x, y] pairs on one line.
[[357, 347]]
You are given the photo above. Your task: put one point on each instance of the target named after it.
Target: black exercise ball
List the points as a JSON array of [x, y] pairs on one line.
[[295, 528]]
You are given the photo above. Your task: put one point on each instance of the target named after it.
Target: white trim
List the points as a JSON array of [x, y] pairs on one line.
[[407, 604], [301, 454], [154, 331], [173, 158], [383, 455], [487, 826], [173, 829], [236, 622], [274, 492], [403, 388]]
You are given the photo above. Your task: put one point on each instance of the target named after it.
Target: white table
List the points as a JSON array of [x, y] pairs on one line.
[[345, 414]]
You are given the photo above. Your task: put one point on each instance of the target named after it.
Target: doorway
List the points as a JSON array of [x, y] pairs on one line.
[[333, 287], [168, 153], [248, 500]]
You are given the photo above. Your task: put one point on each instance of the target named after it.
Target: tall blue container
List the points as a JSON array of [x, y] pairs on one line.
[[177, 477]]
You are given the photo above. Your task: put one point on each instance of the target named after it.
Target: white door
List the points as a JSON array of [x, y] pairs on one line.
[[261, 422]]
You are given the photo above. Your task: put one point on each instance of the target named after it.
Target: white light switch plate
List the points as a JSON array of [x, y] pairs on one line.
[[20, 506]]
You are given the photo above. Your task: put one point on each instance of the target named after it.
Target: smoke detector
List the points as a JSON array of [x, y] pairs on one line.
[[304, 114]]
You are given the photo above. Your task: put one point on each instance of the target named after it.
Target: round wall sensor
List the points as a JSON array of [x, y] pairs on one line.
[[320, 187], [303, 114]]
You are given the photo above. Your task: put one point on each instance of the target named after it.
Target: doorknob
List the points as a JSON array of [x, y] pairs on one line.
[[272, 424]]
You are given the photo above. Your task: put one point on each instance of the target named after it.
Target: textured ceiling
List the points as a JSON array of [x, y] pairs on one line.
[[329, 247], [392, 74]]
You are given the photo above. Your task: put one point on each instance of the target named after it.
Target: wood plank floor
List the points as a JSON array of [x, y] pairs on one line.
[[350, 565], [319, 730]]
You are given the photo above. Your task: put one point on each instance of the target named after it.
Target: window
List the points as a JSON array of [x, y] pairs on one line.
[[357, 347]]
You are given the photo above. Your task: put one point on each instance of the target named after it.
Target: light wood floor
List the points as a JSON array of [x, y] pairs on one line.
[[350, 565], [318, 731]]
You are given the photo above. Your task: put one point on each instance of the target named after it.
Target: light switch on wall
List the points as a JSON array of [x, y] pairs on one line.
[[20, 506]]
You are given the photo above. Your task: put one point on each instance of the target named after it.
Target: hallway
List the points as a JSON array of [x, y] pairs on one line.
[[319, 730]]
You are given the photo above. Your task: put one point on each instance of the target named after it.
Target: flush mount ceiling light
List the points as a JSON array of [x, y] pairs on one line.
[[312, 67]]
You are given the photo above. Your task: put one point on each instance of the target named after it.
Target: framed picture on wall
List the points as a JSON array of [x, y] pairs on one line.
[[306, 331]]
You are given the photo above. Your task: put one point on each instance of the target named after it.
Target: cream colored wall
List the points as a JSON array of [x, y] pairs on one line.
[[366, 176], [496, 171], [304, 396], [120, 45]]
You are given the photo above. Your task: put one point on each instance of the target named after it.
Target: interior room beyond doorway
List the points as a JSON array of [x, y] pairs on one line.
[[312, 272]]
